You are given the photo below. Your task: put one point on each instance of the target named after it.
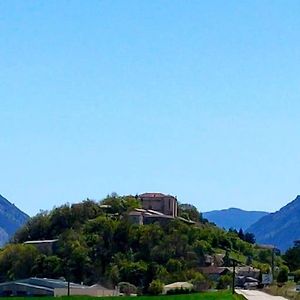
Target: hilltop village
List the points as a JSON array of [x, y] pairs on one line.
[[144, 244]]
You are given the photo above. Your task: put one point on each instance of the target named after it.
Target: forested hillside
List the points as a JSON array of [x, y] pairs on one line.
[[97, 242]]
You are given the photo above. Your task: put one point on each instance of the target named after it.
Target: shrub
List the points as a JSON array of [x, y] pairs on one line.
[[224, 282], [127, 288], [200, 283], [155, 287], [283, 274], [179, 291]]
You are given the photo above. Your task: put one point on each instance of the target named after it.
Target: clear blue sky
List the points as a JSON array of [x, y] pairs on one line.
[[200, 99]]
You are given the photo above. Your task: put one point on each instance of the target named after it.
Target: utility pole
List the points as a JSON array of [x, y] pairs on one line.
[[273, 262], [234, 262], [68, 287]]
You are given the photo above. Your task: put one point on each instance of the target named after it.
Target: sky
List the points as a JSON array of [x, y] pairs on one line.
[[198, 99]]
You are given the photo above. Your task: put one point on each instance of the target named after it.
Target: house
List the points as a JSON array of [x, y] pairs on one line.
[[177, 286], [51, 287], [246, 282], [45, 246], [142, 216], [33, 287], [214, 273], [248, 271], [95, 290], [165, 204]]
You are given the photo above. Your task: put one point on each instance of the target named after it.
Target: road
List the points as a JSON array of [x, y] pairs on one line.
[[257, 295]]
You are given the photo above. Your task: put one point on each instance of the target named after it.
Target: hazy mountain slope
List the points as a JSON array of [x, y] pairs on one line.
[[280, 228], [11, 219], [234, 217]]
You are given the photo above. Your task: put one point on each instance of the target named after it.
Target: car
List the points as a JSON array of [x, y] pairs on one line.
[[250, 285]]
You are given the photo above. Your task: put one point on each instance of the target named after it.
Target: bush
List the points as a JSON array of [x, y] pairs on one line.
[[155, 287], [200, 283], [283, 274], [224, 282], [297, 275], [127, 288], [179, 291]]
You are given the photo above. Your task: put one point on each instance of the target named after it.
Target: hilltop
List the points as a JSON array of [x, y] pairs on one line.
[[234, 218], [281, 228], [11, 219], [106, 242]]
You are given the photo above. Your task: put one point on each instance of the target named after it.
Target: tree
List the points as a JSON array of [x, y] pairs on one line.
[[174, 265], [241, 234], [156, 287], [227, 261], [16, 261], [202, 248], [249, 238], [283, 274], [47, 266], [189, 212], [200, 283], [224, 282], [292, 258], [127, 288]]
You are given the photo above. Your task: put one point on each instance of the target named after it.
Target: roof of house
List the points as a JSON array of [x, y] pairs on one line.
[[149, 215], [247, 269], [41, 241], [180, 284], [186, 220], [153, 195], [43, 283], [214, 270]]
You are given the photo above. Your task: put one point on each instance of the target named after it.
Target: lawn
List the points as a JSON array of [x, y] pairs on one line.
[[199, 296]]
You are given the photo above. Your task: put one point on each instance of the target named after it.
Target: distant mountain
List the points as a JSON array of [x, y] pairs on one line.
[[281, 228], [234, 217], [11, 219]]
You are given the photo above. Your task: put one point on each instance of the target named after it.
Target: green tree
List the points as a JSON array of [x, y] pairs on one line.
[[156, 287], [200, 283], [282, 276], [189, 212], [202, 248], [224, 282], [292, 258], [48, 266], [16, 261]]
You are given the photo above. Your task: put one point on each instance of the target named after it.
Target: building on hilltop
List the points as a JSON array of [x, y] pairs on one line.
[[47, 247], [165, 204]]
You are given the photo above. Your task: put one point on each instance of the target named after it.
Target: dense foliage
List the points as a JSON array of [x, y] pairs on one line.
[[97, 242]]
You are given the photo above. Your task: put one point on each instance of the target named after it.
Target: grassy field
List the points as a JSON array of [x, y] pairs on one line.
[[199, 296]]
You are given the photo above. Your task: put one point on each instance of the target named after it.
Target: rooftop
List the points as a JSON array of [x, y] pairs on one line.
[[154, 195], [41, 242]]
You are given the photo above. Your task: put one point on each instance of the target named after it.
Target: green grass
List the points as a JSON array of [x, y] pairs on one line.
[[224, 295]]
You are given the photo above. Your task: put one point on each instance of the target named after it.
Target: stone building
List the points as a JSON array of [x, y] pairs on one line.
[[166, 204]]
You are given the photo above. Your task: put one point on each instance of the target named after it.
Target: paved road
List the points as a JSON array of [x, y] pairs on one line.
[[257, 295]]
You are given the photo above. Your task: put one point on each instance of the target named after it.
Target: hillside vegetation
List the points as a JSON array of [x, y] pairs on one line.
[[98, 243]]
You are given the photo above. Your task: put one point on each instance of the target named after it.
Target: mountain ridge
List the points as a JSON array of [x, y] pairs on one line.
[[280, 228], [233, 217], [11, 219]]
